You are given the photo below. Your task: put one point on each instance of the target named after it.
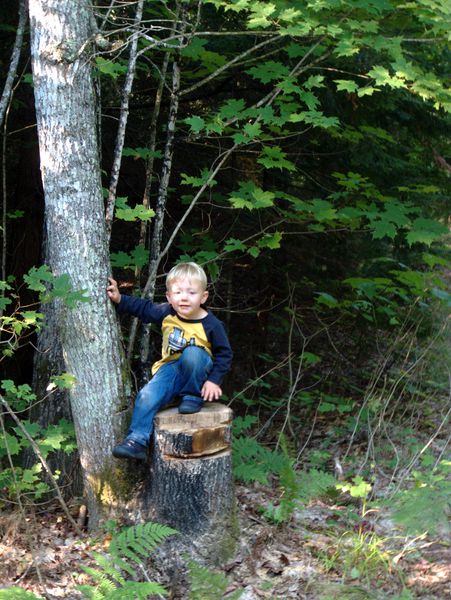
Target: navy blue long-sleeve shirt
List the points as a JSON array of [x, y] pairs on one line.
[[178, 333]]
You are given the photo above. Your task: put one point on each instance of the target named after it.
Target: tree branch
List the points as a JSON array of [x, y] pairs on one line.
[[122, 124], [15, 55]]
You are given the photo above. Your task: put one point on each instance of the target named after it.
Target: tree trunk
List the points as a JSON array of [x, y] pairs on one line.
[[89, 336], [190, 486]]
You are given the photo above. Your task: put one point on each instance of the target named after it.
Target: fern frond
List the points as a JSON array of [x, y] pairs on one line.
[[139, 539], [120, 563], [103, 586], [314, 484], [95, 574], [106, 562], [205, 583], [254, 462], [133, 590], [88, 591], [134, 543]]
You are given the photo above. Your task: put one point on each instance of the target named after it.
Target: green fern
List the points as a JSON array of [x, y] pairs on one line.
[[207, 584], [254, 462], [314, 484], [131, 545], [16, 593]]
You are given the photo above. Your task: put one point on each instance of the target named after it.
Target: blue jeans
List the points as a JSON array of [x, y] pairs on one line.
[[182, 377]]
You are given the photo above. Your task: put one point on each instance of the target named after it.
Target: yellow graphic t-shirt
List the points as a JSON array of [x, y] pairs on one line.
[[179, 333]]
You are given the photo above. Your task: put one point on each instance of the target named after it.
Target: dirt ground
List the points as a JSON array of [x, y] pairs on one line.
[[305, 559]]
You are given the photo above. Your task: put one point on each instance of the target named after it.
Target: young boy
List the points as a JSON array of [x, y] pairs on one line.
[[196, 353]]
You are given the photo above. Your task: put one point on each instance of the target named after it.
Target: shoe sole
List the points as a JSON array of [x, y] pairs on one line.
[[130, 456]]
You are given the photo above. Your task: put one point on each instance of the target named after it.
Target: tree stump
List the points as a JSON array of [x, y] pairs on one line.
[[190, 487]]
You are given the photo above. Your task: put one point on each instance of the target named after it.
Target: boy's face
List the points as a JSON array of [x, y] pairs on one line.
[[185, 296]]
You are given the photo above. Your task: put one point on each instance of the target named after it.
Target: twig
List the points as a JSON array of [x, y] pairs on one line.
[[15, 56]]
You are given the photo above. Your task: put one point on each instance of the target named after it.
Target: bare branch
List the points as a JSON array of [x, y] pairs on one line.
[[122, 124], [12, 71]]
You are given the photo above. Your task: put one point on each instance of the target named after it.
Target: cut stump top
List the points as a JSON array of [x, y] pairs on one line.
[[200, 434], [211, 415]]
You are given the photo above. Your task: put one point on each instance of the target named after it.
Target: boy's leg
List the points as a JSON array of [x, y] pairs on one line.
[[193, 367], [154, 396]]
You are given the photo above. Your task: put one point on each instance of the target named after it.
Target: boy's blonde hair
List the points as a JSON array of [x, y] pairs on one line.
[[187, 270]]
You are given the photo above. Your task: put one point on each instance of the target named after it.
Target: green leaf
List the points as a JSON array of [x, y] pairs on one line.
[[290, 15], [53, 438], [359, 488], [383, 229], [137, 258], [4, 303], [346, 47], [382, 76], [270, 240], [254, 251], [325, 407], [251, 197], [110, 68], [64, 381], [323, 210], [233, 245], [196, 123], [310, 100], [269, 71], [425, 231], [9, 444], [273, 157], [315, 118], [135, 213], [326, 299], [231, 108], [346, 85], [260, 13], [366, 91], [35, 278], [314, 81], [198, 181], [252, 130]]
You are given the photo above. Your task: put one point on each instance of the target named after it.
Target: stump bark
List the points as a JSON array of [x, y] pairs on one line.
[[190, 486]]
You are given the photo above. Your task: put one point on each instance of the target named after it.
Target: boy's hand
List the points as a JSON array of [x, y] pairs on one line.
[[113, 291], [211, 391]]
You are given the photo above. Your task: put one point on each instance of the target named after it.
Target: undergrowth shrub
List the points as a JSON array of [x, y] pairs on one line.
[[253, 462], [426, 505]]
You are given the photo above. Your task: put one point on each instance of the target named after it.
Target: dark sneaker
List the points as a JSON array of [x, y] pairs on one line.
[[130, 449], [188, 407]]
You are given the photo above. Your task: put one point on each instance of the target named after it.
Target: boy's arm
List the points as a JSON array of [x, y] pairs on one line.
[[145, 310], [222, 353]]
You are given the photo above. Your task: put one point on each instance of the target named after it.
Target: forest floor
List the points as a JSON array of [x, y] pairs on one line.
[[312, 557]]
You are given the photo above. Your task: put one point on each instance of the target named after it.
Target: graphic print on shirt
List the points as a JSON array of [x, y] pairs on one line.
[[177, 342]]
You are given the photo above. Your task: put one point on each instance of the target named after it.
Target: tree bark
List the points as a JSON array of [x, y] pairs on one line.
[[77, 244]]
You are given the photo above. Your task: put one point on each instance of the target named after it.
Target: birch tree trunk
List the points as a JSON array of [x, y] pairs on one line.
[[77, 245]]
